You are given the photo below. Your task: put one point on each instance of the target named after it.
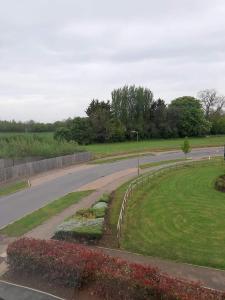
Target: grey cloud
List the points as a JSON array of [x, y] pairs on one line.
[[56, 55]]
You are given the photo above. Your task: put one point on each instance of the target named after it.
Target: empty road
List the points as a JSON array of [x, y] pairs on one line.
[[15, 206]]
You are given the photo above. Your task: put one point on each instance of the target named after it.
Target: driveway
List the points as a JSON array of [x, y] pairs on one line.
[[10, 291], [17, 205]]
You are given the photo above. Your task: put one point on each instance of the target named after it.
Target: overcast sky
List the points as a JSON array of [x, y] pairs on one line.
[[57, 55]]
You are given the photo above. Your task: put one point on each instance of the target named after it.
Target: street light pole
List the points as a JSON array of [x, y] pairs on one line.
[[138, 161]]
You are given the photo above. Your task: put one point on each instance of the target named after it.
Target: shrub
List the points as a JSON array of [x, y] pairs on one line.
[[82, 230], [99, 205], [64, 263], [86, 225], [220, 183], [112, 278], [90, 213], [104, 198], [85, 213]]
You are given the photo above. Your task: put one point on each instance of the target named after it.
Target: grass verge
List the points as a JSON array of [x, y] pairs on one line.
[[159, 163], [178, 216], [104, 150], [13, 188], [118, 158], [39, 216]]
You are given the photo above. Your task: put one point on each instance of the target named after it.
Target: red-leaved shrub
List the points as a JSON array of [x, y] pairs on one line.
[[74, 265], [65, 263]]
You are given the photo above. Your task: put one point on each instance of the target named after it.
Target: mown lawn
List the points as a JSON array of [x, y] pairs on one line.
[[179, 216], [41, 215], [102, 150]]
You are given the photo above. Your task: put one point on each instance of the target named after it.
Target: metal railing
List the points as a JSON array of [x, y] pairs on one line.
[[135, 184]]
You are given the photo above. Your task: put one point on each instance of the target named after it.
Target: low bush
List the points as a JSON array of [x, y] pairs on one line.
[[220, 183], [104, 198], [60, 262], [112, 278], [80, 230], [99, 205], [86, 226], [90, 213]]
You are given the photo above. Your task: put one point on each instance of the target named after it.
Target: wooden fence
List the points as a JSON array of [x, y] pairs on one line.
[[29, 169], [136, 184]]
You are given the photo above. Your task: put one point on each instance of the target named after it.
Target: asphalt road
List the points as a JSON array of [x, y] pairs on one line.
[[17, 205], [10, 291]]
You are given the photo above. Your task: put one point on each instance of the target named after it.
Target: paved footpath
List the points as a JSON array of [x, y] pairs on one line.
[[9, 291]]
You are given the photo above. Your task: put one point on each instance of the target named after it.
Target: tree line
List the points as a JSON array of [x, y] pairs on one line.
[[30, 126], [131, 109], [135, 109]]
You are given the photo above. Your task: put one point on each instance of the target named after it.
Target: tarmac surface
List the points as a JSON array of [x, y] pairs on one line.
[[9, 291]]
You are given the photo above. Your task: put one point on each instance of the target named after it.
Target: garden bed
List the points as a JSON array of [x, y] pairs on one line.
[[86, 225]]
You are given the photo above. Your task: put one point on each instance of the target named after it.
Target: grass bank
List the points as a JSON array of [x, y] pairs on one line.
[[13, 188], [39, 216], [159, 163], [178, 216], [103, 150]]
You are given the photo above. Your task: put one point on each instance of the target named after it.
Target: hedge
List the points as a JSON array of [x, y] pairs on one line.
[[67, 264], [74, 265]]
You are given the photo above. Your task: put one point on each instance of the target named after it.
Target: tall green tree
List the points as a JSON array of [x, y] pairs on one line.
[[99, 113], [81, 131], [131, 106], [189, 117], [158, 120]]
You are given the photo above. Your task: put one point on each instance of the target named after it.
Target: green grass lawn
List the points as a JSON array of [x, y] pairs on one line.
[[102, 150], [39, 216], [179, 216], [13, 188], [159, 163]]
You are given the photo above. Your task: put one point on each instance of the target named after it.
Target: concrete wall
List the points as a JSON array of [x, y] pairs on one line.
[[29, 169]]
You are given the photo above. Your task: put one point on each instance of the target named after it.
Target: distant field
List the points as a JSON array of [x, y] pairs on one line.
[[102, 150], [41, 145], [178, 216], [42, 134], [114, 149]]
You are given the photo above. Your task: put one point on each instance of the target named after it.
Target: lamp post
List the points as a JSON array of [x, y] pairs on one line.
[[138, 161]]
